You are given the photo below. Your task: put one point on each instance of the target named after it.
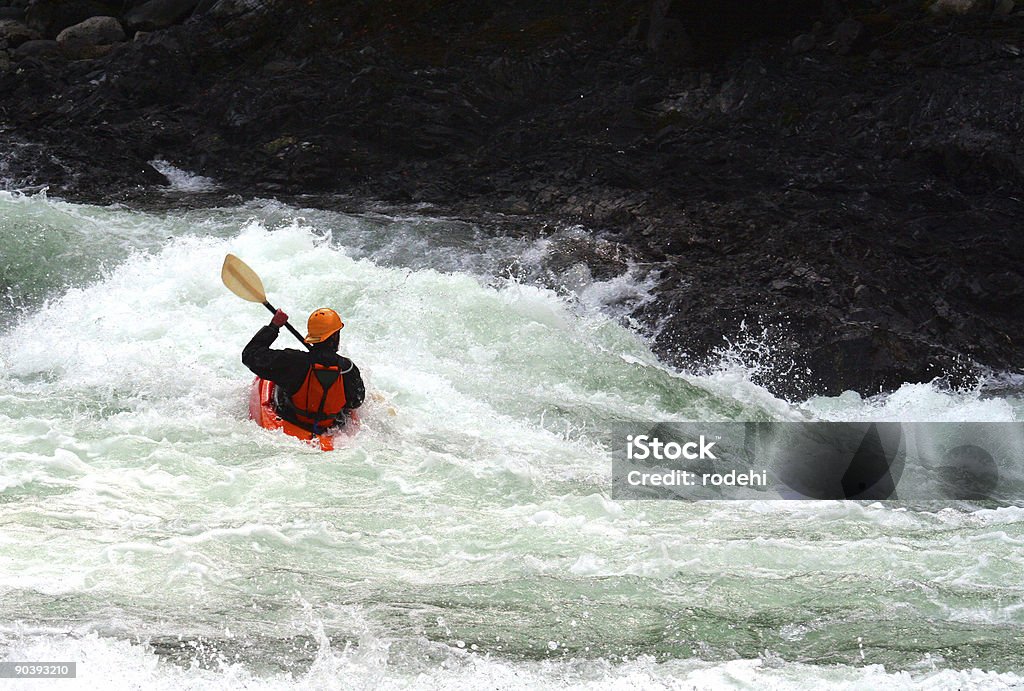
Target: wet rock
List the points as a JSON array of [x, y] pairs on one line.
[[15, 13], [233, 8], [871, 358], [91, 38], [13, 33], [42, 49], [846, 36], [158, 14], [50, 17], [1004, 7], [278, 67], [804, 43], [960, 6]]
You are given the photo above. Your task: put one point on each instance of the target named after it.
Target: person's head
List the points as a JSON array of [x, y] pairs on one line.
[[329, 345], [323, 329]]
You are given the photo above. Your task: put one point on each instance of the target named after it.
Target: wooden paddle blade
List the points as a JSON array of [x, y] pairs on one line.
[[241, 280]]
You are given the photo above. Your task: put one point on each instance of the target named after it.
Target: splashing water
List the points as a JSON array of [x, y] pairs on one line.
[[156, 536]]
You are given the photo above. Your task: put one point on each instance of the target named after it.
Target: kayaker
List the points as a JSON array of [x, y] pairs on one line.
[[314, 389]]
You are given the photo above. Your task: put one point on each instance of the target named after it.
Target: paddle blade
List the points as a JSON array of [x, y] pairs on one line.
[[241, 280]]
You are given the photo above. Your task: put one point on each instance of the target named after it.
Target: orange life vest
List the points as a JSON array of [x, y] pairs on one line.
[[320, 399]]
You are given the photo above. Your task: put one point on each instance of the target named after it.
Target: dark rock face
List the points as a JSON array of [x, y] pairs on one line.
[[42, 48], [14, 33], [841, 182], [50, 17], [158, 14], [91, 38]]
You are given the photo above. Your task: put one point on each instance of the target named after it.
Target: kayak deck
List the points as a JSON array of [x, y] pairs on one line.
[[261, 409]]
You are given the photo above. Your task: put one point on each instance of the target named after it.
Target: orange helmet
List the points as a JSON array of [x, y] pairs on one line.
[[322, 324]]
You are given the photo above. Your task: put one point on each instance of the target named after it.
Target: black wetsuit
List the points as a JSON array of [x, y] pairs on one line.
[[288, 368]]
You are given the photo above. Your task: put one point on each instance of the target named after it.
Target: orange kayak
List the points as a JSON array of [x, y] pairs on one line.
[[261, 409]]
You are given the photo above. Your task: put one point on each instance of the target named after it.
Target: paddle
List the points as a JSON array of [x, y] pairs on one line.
[[243, 282]]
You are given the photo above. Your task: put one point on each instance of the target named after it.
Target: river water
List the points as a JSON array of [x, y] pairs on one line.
[[466, 537]]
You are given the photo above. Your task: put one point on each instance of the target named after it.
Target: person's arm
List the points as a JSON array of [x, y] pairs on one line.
[[355, 391], [264, 362]]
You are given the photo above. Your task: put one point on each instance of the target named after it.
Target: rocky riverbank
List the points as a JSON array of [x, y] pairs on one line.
[[847, 177]]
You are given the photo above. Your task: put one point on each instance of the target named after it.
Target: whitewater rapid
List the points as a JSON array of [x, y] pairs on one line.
[[159, 538]]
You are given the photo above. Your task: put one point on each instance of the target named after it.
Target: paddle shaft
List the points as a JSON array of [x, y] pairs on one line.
[[291, 328]]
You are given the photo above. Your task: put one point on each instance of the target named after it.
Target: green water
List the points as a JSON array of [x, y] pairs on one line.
[[154, 534]]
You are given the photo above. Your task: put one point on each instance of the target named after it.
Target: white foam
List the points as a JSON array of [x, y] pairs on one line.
[[143, 502], [102, 662], [182, 180], [913, 403]]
